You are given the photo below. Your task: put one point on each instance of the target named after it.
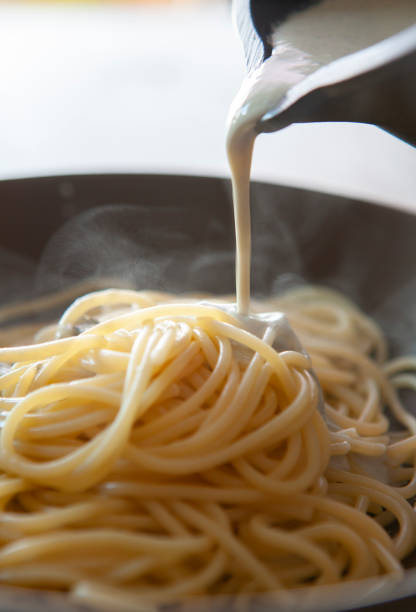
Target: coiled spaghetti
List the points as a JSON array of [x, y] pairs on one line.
[[153, 450]]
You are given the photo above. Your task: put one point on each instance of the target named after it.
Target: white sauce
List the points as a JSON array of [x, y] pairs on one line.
[[335, 28], [304, 43]]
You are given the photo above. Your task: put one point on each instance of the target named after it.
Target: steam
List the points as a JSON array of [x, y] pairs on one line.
[[276, 258], [16, 276], [182, 246], [165, 248], [142, 247], [108, 242], [397, 315]]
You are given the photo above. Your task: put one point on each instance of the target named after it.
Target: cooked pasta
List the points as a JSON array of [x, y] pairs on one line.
[[153, 449]]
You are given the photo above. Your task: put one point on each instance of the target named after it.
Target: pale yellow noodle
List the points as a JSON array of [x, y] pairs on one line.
[[153, 449]]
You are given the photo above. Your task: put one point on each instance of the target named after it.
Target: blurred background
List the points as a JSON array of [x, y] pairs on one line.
[[145, 87]]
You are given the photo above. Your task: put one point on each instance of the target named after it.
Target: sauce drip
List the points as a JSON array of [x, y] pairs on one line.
[[307, 41]]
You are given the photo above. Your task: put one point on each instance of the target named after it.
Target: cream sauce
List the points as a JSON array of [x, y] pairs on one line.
[[305, 42]]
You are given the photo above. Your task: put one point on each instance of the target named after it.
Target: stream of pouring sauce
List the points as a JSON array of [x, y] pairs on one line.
[[304, 43]]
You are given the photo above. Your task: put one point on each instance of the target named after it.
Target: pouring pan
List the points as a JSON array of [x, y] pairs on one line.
[[175, 233]]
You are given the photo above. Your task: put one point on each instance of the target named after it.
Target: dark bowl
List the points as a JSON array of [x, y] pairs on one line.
[[175, 233]]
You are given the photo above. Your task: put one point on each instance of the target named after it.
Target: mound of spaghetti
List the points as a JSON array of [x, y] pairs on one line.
[[152, 450]]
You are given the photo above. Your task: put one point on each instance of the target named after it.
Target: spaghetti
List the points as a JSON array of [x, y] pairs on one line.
[[152, 449]]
